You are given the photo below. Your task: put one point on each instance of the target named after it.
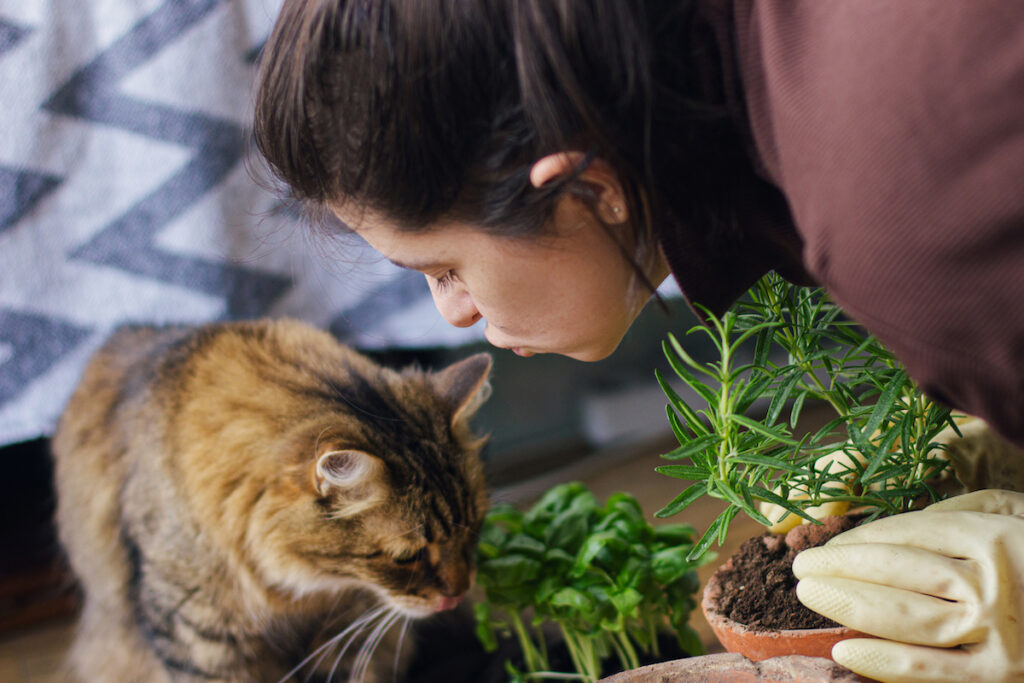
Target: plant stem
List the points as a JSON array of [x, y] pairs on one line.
[[534, 660], [555, 675], [633, 661], [726, 447], [652, 628], [581, 655]]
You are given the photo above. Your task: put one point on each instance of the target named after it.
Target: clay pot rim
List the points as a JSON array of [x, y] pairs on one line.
[[709, 605]]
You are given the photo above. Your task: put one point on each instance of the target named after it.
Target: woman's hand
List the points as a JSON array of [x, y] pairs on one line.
[[942, 588]]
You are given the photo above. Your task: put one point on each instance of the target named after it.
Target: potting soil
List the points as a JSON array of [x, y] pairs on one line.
[[760, 588]]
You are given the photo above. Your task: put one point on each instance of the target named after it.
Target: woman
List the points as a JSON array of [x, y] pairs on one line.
[[547, 163]]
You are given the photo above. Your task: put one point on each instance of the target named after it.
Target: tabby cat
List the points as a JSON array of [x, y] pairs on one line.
[[254, 501]]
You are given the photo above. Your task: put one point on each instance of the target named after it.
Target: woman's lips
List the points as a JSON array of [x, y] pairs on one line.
[[522, 352]]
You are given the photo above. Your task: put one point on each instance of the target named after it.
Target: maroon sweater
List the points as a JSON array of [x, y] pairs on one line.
[[894, 130]]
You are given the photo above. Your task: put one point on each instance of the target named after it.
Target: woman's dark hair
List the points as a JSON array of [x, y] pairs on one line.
[[423, 109]]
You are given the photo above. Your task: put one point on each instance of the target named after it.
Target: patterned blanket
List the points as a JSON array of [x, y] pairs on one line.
[[126, 197]]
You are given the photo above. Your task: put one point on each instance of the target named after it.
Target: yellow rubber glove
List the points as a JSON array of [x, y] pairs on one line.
[[942, 588], [981, 458]]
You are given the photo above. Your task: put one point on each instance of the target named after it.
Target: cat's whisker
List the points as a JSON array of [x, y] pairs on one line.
[[370, 646], [398, 650], [362, 623], [328, 619], [358, 668], [357, 625]]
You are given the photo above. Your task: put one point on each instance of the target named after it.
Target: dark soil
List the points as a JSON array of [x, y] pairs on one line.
[[760, 590]]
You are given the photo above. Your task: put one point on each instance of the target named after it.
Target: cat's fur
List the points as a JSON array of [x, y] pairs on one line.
[[233, 495]]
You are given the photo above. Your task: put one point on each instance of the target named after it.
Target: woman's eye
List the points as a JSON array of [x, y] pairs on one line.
[[408, 558], [445, 281]]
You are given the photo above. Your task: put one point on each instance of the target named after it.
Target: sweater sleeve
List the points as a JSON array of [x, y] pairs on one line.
[[896, 132]]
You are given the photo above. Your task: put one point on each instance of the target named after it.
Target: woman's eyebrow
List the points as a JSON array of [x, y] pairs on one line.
[[421, 266]]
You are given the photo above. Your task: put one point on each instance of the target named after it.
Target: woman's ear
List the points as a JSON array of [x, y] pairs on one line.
[[599, 175]]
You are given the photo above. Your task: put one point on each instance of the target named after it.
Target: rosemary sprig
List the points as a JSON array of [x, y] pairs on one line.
[[741, 445]]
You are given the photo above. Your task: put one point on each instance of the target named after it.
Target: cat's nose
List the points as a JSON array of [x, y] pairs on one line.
[[447, 602]]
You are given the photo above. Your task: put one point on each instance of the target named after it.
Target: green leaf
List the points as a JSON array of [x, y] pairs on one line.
[[766, 495], [827, 431], [485, 551], [747, 334], [791, 377], [740, 501], [687, 413], [527, 545], [511, 570], [723, 529], [626, 600], [493, 533], [626, 504], [674, 534], [567, 530], [775, 433], [686, 450], [573, 599], [683, 472], [680, 502], [798, 405], [753, 391], [504, 515], [549, 585], [767, 461], [688, 377], [878, 456], [883, 407], [634, 572], [625, 527], [484, 627], [594, 545], [682, 436], [558, 498], [558, 556], [670, 564], [514, 674], [709, 536], [763, 345]]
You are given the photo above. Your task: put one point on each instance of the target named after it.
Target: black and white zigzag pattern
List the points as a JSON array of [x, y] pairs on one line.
[[125, 197]]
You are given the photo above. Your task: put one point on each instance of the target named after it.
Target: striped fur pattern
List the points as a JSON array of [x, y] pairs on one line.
[[254, 501]]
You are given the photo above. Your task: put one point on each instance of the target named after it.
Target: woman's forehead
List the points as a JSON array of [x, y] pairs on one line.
[[355, 216]]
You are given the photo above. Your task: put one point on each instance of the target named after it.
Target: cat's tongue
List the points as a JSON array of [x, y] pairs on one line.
[[447, 603]]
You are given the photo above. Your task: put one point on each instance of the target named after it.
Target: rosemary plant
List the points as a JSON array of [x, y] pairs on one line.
[[779, 348]]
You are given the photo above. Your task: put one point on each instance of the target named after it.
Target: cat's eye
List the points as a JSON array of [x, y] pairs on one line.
[[410, 557]]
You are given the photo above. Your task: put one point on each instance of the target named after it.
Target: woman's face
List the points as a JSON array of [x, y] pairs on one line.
[[572, 293]]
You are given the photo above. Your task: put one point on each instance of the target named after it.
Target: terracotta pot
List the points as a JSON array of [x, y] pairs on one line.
[[734, 668], [760, 644]]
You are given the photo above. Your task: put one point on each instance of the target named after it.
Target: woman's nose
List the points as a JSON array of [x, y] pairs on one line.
[[455, 305]]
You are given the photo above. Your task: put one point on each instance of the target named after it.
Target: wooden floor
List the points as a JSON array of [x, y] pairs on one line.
[[33, 654]]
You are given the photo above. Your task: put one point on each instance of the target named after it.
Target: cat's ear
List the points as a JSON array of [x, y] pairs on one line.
[[463, 385], [354, 476]]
